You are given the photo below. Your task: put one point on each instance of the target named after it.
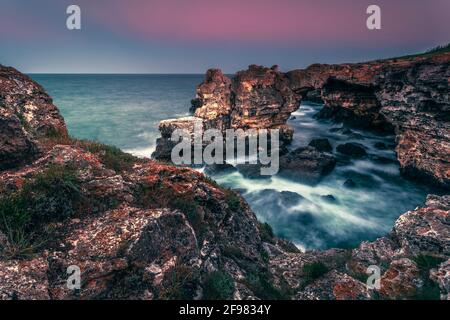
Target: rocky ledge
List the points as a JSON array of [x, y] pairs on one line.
[[408, 96], [141, 229], [27, 117]]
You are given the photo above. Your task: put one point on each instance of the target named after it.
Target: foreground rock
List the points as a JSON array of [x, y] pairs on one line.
[[27, 117], [413, 262], [140, 229], [149, 232]]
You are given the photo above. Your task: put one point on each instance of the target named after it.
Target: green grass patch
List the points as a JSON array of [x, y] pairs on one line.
[[426, 262], [112, 157], [233, 200], [430, 289], [433, 51], [52, 195], [313, 271], [179, 283], [261, 285], [266, 232], [233, 252], [264, 256], [218, 285]]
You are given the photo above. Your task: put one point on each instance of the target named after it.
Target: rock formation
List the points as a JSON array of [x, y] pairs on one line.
[[409, 96], [413, 262], [258, 98], [27, 116], [141, 229]]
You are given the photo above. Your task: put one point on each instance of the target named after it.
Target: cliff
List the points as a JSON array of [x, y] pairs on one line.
[[141, 229], [408, 96]]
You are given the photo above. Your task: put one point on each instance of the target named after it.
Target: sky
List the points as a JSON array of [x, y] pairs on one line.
[[190, 36]]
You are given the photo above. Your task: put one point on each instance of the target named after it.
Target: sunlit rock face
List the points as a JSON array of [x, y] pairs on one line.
[[416, 102], [257, 98], [27, 116]]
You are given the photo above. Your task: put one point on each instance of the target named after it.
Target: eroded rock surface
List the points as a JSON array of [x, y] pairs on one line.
[[408, 260], [27, 116]]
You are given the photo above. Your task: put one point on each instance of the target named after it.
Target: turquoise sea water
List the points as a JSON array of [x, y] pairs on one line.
[[124, 110]]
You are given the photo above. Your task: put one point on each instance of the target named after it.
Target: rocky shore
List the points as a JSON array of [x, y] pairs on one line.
[[143, 229], [407, 96]]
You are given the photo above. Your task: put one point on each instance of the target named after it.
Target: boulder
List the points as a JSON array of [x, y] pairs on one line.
[[306, 165], [351, 149], [27, 118], [321, 144]]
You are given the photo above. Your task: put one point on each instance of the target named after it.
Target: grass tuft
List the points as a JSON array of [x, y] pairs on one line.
[[313, 271], [52, 195], [218, 285]]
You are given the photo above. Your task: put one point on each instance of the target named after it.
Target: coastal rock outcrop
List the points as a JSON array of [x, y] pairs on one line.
[[142, 229], [407, 96], [257, 98], [27, 117], [411, 259]]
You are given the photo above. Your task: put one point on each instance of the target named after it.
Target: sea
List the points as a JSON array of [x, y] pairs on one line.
[[124, 111]]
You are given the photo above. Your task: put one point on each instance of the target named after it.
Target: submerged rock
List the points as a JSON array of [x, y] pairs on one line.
[[329, 198], [306, 165], [351, 149], [380, 146], [251, 171], [349, 183], [321, 144]]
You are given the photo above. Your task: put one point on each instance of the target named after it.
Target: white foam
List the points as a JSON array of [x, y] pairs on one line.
[[145, 152]]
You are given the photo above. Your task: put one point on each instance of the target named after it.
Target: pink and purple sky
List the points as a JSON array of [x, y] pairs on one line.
[[189, 36]]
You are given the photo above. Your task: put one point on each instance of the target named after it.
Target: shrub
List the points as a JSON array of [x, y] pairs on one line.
[[179, 283], [218, 285], [233, 200], [266, 232], [112, 157], [426, 262], [52, 195], [259, 283], [265, 256], [313, 271], [233, 252], [430, 289]]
